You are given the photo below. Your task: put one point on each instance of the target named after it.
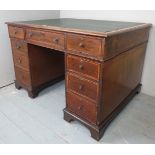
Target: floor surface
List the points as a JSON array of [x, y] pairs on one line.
[[40, 120]]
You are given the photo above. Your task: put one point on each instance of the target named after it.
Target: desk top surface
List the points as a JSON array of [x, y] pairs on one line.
[[86, 25]]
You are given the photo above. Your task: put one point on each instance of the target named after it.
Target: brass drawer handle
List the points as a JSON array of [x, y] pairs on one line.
[[81, 87], [19, 61], [18, 46], [80, 107], [55, 40], [81, 45], [81, 67], [15, 32], [30, 34]]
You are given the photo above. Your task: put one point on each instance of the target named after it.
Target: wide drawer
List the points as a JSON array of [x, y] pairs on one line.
[[50, 39], [81, 107], [16, 32], [22, 76], [18, 46], [83, 66], [83, 86], [21, 60], [83, 44]]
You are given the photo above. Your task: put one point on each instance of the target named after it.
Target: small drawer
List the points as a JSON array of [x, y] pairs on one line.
[[16, 32], [21, 61], [82, 86], [83, 66], [18, 46], [22, 76], [87, 45], [82, 107], [48, 39]]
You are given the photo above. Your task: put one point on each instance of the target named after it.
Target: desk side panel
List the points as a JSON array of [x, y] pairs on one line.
[[121, 75]]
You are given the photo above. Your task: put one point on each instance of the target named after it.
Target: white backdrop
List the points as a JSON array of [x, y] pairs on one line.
[[135, 16], [6, 62]]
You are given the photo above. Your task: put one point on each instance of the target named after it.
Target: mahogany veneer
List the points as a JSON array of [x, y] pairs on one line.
[[102, 62]]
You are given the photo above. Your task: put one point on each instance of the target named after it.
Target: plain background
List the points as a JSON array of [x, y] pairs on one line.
[[6, 64]]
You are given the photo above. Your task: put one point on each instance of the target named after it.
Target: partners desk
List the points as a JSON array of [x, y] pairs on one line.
[[101, 62]]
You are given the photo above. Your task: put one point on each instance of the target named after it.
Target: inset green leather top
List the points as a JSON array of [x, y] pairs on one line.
[[84, 25]]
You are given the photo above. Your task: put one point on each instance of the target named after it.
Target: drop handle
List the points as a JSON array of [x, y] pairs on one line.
[[81, 87], [81, 67], [30, 34], [15, 32], [55, 40], [18, 46], [19, 61], [80, 107], [81, 45]]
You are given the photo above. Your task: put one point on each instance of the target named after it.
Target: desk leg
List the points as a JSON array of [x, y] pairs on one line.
[[17, 85], [96, 133], [33, 94]]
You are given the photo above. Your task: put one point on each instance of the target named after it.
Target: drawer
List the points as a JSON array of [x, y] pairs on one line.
[[81, 107], [18, 46], [16, 32], [49, 39], [82, 86], [22, 76], [21, 61], [83, 66], [87, 45]]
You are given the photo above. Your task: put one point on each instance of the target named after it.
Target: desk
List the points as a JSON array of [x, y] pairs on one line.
[[101, 62]]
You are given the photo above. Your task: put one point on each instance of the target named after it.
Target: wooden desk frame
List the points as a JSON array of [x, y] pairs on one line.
[[102, 69]]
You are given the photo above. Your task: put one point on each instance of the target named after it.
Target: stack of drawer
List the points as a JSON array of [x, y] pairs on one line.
[[20, 55], [82, 78], [20, 38]]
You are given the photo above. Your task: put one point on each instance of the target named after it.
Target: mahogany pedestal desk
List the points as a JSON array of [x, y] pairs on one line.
[[101, 62]]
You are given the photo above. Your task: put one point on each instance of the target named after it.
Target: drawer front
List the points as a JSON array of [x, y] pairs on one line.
[[16, 32], [19, 46], [82, 86], [81, 107], [22, 76], [49, 39], [83, 66], [21, 61], [86, 45]]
